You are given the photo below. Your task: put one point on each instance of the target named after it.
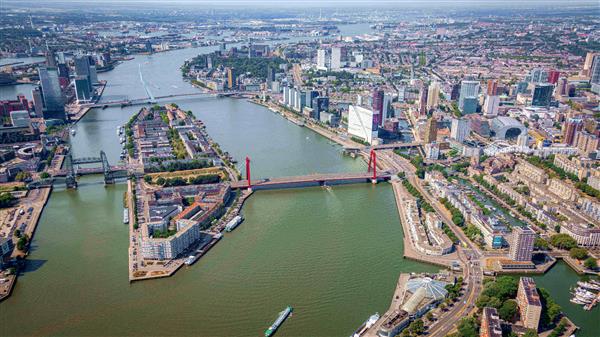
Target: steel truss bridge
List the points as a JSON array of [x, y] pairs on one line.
[[72, 169]]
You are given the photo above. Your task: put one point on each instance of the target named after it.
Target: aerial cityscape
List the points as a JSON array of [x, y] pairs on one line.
[[300, 168]]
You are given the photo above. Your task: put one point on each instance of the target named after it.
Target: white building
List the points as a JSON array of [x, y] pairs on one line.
[[459, 129], [322, 59], [433, 95], [336, 58], [360, 123], [491, 105]]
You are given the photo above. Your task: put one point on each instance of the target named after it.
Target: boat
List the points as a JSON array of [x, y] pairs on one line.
[[73, 132], [233, 223], [282, 316], [589, 286], [191, 259], [366, 325], [577, 301]]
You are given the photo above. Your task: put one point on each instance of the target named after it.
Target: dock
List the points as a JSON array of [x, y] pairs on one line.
[[397, 301]]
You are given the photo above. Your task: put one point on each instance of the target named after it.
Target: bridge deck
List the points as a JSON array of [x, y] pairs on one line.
[[311, 179]]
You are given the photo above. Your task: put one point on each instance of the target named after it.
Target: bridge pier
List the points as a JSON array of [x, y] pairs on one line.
[[71, 182]]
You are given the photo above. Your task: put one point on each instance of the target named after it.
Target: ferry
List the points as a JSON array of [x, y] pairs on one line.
[[233, 223], [125, 215], [282, 316], [366, 325]]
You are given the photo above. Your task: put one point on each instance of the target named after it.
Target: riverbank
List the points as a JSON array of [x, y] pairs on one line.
[[81, 110], [27, 213]]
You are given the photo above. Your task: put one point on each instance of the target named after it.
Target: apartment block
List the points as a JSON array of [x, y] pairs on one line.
[[530, 306]]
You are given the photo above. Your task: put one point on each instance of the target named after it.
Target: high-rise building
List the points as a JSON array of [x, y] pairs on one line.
[[455, 92], [586, 142], [319, 105], [522, 87], [521, 248], [93, 78], [570, 127], [231, 78], [542, 94], [50, 58], [433, 95], [270, 75], [38, 101], [553, 76], [54, 100], [537, 75], [322, 59], [361, 123], [530, 305], [459, 129], [336, 58], [561, 88], [491, 105], [430, 130], [82, 91], [492, 88], [377, 98], [595, 74], [523, 140], [423, 101], [490, 323], [468, 89], [587, 65]]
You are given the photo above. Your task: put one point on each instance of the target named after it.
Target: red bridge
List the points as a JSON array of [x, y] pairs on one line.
[[315, 179]]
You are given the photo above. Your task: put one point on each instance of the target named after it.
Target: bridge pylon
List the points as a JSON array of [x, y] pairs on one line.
[[373, 162], [71, 178], [108, 176], [248, 172]]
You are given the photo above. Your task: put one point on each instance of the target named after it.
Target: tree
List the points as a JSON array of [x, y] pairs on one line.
[[6, 200], [563, 241], [160, 181], [417, 327], [22, 176], [530, 333], [590, 263], [45, 175], [468, 327], [508, 310], [541, 244], [578, 253], [550, 310], [148, 179], [429, 316]]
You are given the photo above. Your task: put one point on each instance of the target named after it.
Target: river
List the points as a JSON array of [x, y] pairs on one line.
[[333, 255]]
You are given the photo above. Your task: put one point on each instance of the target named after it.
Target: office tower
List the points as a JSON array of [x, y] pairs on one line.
[[587, 65], [521, 248], [530, 306], [310, 96], [377, 107], [270, 75], [459, 129], [595, 74], [490, 323], [553, 76], [319, 105], [537, 75], [455, 92], [52, 94], [423, 101], [430, 130], [38, 101], [63, 70], [561, 87], [468, 90], [491, 105], [433, 95], [522, 87], [93, 78], [361, 122], [336, 58], [492, 88], [470, 105], [542, 94], [231, 78], [82, 91], [321, 59], [286, 95], [388, 111], [570, 127], [50, 59], [82, 65]]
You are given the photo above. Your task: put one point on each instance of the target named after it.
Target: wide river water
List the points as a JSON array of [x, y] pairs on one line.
[[334, 255]]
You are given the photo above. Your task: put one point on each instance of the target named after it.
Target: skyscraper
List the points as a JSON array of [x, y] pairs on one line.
[[492, 88], [595, 74], [377, 107], [82, 91], [521, 248], [537, 75], [468, 89], [423, 101], [542, 94], [321, 59], [433, 95], [50, 58], [52, 94], [459, 129], [553, 76], [38, 101], [490, 106], [530, 305], [570, 127], [336, 58], [430, 130], [231, 78]]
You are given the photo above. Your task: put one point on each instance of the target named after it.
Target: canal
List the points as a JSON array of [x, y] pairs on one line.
[[334, 255]]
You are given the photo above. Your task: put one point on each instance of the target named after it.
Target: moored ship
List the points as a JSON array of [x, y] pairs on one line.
[[366, 325], [233, 223]]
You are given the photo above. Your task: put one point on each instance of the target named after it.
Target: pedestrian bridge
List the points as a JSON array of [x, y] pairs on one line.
[[312, 180]]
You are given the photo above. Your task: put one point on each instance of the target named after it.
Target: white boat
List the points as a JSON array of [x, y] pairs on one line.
[[233, 223], [366, 325], [587, 285], [125, 215], [73, 132], [191, 259]]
